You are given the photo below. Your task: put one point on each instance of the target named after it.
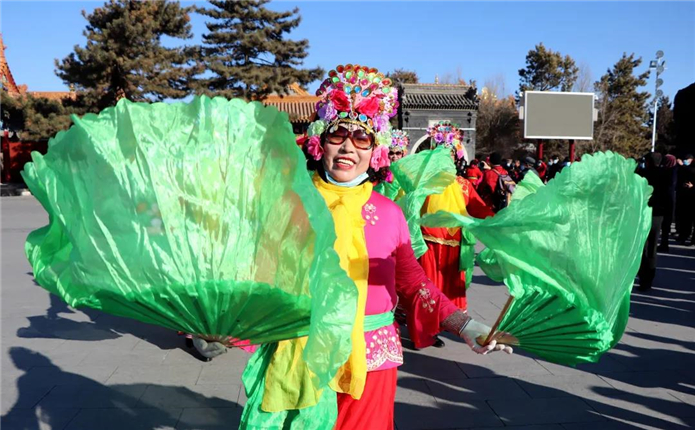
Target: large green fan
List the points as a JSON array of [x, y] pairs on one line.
[[198, 217], [568, 253]]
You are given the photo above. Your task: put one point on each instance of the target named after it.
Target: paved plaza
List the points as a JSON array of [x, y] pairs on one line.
[[84, 370]]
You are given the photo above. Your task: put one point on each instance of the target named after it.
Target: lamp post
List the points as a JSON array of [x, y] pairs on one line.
[[659, 65]]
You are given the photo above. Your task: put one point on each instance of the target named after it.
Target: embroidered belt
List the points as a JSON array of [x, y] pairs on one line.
[[377, 321], [441, 241]]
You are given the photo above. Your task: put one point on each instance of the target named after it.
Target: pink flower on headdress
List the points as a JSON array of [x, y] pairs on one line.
[[380, 122], [389, 177], [340, 101], [369, 107], [439, 137], [314, 148], [449, 137], [380, 157]]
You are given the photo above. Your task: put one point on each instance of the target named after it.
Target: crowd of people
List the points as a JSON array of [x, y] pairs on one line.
[[495, 177], [672, 201], [515, 168]]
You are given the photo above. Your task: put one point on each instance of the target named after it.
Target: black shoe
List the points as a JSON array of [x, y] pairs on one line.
[[438, 343], [189, 342]]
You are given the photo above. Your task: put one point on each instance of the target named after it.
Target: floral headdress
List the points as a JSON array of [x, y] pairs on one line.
[[355, 94], [446, 133], [399, 141]]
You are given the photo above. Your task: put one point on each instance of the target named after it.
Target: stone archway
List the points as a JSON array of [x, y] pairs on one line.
[[420, 141]]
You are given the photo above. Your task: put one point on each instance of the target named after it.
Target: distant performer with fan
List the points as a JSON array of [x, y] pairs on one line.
[[398, 148], [442, 261]]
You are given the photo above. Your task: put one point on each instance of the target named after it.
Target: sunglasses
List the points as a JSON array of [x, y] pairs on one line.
[[360, 138]]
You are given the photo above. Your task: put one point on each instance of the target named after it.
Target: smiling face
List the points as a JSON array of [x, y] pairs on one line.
[[347, 160], [395, 155]]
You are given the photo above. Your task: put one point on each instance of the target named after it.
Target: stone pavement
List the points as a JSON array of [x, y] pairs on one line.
[[73, 369]]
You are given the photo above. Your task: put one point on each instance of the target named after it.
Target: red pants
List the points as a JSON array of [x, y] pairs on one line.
[[441, 264], [374, 411]]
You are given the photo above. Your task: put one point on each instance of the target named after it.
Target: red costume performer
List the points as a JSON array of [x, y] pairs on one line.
[[441, 261], [474, 174]]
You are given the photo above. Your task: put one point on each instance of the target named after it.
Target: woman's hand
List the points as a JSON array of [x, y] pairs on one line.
[[474, 330], [470, 330], [208, 349]]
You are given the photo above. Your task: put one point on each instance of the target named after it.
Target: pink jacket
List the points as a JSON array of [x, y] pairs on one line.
[[396, 277]]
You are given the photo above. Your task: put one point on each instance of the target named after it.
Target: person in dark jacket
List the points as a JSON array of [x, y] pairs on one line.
[[670, 176], [654, 175], [554, 167], [685, 201], [529, 165]]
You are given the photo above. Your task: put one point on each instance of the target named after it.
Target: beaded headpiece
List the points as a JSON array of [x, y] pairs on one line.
[[358, 95], [446, 133], [399, 141]]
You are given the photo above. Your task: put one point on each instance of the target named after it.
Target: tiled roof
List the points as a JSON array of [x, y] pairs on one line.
[[54, 95], [437, 101], [439, 96], [299, 108]]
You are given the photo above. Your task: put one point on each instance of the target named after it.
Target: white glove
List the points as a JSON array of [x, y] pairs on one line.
[[208, 349], [475, 329]]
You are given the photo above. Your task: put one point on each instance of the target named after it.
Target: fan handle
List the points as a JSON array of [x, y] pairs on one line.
[[493, 331]]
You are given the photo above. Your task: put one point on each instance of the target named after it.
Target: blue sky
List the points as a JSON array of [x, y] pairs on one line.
[[481, 40]]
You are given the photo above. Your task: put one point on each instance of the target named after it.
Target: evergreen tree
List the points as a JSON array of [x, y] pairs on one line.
[[124, 55], [547, 70], [33, 118], [622, 124], [248, 53], [665, 126]]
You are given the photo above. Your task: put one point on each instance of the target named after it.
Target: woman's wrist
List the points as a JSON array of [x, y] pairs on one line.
[[456, 322]]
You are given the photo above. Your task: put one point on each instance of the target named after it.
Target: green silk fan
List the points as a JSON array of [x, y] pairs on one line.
[[568, 252], [197, 217]]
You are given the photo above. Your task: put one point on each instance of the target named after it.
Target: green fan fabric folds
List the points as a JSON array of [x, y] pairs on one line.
[[420, 175], [197, 217], [389, 189], [568, 253], [486, 259], [467, 255]]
